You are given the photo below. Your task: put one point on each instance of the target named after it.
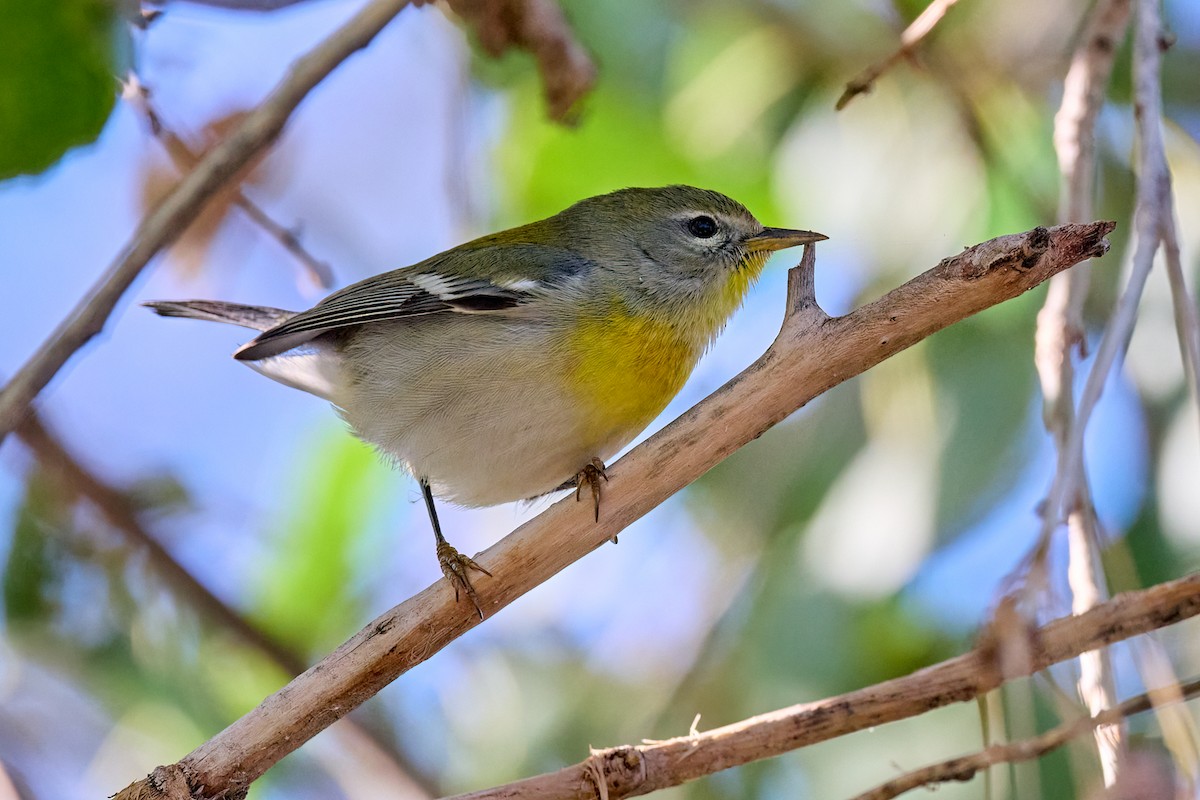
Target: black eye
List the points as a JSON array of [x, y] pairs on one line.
[[703, 227]]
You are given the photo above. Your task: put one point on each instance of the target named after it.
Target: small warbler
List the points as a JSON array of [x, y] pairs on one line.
[[515, 364]]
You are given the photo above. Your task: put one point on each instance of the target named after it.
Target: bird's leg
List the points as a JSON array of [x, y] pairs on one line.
[[455, 566]]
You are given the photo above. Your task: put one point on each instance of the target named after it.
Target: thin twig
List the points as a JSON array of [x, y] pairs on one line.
[[637, 770], [1153, 190], [1187, 326], [169, 218], [912, 36], [1089, 587], [964, 768], [116, 509], [1178, 729], [812, 353], [1060, 333], [184, 158], [1150, 116]]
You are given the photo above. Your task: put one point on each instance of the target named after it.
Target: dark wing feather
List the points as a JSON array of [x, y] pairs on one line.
[[419, 290]]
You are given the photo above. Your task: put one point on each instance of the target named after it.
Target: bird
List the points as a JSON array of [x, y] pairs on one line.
[[518, 363]]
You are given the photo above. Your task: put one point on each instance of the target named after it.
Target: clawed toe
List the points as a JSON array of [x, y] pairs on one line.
[[456, 567], [591, 475]]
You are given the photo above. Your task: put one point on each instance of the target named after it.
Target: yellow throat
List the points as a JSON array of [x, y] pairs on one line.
[[628, 363]]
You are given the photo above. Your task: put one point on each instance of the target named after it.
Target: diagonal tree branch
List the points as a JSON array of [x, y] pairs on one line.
[[812, 353], [635, 770], [116, 509], [184, 159], [168, 220]]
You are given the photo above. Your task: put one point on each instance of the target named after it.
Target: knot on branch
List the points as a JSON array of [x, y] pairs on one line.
[[616, 771], [168, 783]]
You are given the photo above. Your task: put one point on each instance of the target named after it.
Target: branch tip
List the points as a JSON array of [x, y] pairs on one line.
[[801, 287]]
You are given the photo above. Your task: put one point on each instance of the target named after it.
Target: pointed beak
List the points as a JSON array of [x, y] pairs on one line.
[[772, 239]]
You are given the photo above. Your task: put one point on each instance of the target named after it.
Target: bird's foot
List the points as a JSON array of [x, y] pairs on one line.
[[591, 475], [457, 567]]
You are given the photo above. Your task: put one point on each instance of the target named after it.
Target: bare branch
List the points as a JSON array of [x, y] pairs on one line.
[[184, 158], [1096, 685], [913, 35], [1060, 333], [637, 770], [168, 220], [1149, 110], [1084, 90], [812, 353], [964, 768], [114, 506], [116, 510], [537, 26], [1153, 201]]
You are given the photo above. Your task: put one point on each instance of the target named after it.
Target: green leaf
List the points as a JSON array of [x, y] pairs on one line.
[[58, 79]]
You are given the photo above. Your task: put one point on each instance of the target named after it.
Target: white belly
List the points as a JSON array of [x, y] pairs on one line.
[[483, 427]]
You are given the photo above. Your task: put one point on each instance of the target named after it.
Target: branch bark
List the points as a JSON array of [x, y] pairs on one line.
[[964, 768], [636, 770], [812, 353]]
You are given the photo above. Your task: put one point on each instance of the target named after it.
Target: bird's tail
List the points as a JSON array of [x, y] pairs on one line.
[[315, 370], [259, 318]]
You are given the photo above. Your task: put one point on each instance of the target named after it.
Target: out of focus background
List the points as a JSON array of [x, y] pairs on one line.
[[865, 537]]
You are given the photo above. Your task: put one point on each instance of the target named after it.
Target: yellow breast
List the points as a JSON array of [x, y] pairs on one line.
[[626, 366], [626, 369]]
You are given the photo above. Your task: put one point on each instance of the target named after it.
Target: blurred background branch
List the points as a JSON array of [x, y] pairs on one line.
[[118, 510], [639, 769], [912, 36], [1061, 334], [964, 768], [184, 160], [168, 220]]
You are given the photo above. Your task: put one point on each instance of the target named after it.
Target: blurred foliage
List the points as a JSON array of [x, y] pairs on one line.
[[807, 566], [306, 591], [58, 78]]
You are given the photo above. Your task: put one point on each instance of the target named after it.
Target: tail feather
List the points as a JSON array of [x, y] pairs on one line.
[[313, 369], [259, 318]]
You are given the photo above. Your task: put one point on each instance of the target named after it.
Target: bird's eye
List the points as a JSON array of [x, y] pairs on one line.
[[702, 227]]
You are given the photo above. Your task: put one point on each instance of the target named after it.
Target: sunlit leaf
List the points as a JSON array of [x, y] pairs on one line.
[[58, 79]]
